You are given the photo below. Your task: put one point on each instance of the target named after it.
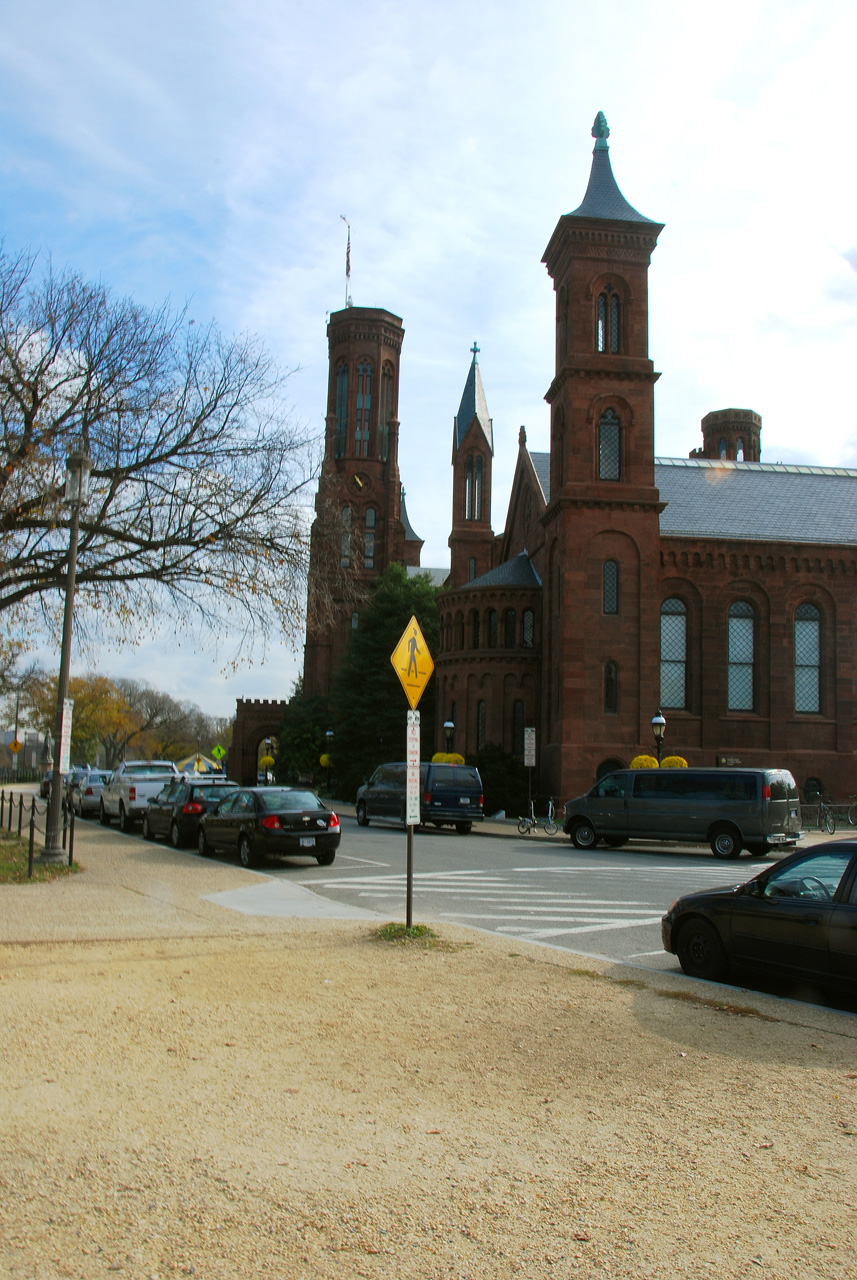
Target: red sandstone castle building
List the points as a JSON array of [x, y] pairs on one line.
[[716, 588]]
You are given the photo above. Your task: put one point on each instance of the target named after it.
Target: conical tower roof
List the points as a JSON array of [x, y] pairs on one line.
[[603, 198], [473, 405]]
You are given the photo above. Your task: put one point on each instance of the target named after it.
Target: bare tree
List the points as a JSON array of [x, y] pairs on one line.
[[200, 505]]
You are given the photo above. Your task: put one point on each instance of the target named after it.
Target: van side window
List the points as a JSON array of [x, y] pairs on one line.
[[612, 786]]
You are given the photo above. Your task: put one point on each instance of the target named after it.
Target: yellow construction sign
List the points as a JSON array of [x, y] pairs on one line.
[[412, 662]]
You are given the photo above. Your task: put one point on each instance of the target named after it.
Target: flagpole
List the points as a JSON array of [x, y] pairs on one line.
[[347, 262]]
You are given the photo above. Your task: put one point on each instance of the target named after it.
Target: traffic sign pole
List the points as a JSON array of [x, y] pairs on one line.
[[413, 665]]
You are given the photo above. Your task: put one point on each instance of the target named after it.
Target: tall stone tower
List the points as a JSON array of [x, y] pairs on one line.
[[471, 540], [600, 623], [360, 511]]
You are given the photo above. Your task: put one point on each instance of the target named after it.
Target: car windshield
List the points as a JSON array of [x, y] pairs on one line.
[[157, 769], [279, 800]]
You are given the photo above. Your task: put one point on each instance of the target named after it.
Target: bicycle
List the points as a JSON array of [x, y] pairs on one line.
[[852, 811], [826, 817], [528, 824]]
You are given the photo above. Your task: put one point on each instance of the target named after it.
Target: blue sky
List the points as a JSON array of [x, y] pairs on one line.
[[206, 152]]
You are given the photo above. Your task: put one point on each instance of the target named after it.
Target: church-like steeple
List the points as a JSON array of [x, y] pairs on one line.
[[471, 540], [603, 198], [473, 405]]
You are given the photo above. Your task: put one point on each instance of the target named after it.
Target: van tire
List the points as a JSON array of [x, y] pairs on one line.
[[583, 835], [362, 819], [464, 828], [615, 842], [700, 951], [725, 843]]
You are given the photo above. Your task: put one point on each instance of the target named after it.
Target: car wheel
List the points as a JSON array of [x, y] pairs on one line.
[[615, 842], [362, 819], [726, 843], [148, 833], [202, 844], [175, 836], [245, 853], [700, 951], [583, 835], [757, 850], [464, 828], [325, 859], [103, 817]]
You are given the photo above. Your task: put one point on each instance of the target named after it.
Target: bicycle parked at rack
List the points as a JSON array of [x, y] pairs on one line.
[[526, 825], [826, 817], [852, 811]]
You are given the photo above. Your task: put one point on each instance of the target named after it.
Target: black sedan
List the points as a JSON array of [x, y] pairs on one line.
[[796, 920], [177, 809], [260, 822]]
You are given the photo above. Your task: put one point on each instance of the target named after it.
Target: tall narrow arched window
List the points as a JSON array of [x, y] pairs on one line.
[[369, 539], [345, 538], [386, 412], [528, 631], [721, 449], [807, 658], [474, 629], [477, 491], [610, 587], [608, 322], [518, 730], [674, 654], [364, 405], [609, 446], [739, 451], [459, 631], [471, 568], [481, 724], [741, 690], [468, 488], [611, 688], [341, 436], [355, 620], [492, 628], [509, 628]]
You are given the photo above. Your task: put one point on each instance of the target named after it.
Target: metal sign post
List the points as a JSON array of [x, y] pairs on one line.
[[530, 762], [413, 665]]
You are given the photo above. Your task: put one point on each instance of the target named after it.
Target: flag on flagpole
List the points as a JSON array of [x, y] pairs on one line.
[[348, 257]]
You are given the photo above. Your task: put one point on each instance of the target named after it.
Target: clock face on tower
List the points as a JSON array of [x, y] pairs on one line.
[[359, 483]]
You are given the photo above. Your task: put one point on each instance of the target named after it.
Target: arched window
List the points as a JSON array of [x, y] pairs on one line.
[[608, 328], [529, 629], [345, 538], [341, 439], [609, 446], [355, 620], [459, 631], [468, 488], [807, 658], [481, 722], [509, 628], [611, 688], [369, 539], [739, 451], [721, 448], [518, 730], [610, 587], [477, 495], [492, 628], [364, 405], [674, 654], [471, 568], [741, 691], [386, 411], [474, 630]]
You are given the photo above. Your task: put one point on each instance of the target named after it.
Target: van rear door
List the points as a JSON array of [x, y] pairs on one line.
[[783, 802]]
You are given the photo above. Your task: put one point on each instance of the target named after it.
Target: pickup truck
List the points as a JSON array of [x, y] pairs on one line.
[[126, 795]]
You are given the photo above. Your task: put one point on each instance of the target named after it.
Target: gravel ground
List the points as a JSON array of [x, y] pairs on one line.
[[296, 1098]]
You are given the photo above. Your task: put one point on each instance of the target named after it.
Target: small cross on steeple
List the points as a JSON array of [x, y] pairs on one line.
[[475, 351]]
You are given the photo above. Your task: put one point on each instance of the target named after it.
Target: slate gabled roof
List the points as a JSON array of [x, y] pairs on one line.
[[517, 572], [410, 536], [542, 467], [760, 501], [473, 405]]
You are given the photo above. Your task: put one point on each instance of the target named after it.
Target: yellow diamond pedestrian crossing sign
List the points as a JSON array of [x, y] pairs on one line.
[[412, 662]]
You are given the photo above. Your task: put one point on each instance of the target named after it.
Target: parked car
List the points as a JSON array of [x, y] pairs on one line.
[[178, 807], [260, 822], [728, 809], [45, 783], [84, 790], [797, 919], [127, 791], [450, 795]]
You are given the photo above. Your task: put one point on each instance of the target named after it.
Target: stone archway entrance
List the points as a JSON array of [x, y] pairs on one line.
[[255, 719]]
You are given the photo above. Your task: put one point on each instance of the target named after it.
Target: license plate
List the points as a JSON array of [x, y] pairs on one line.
[[307, 842], [464, 800]]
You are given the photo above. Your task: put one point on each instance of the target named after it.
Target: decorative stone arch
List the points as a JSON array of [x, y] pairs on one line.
[[255, 719]]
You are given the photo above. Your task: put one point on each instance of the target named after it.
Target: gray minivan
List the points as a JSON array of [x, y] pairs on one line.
[[730, 809], [450, 795]]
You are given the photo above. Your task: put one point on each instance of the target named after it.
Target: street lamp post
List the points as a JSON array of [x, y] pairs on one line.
[[328, 742], [78, 467], [659, 725], [449, 734]]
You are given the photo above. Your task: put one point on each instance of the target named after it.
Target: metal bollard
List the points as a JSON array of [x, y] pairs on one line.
[[71, 838], [2, 805], [32, 838], [20, 811]]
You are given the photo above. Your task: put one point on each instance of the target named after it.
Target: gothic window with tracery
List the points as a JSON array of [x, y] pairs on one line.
[[369, 539], [364, 405], [608, 327], [609, 446], [674, 654], [807, 659], [341, 436], [741, 670], [610, 587]]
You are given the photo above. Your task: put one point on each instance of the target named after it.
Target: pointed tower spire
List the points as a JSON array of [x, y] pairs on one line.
[[603, 198], [473, 405]]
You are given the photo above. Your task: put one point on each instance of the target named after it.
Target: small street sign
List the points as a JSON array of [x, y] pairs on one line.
[[15, 747], [412, 777], [530, 748], [412, 662], [218, 752]]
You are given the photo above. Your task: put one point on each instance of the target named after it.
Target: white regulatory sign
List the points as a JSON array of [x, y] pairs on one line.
[[530, 748], [412, 786]]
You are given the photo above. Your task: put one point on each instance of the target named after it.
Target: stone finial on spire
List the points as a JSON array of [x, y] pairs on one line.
[[522, 436], [601, 132]]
